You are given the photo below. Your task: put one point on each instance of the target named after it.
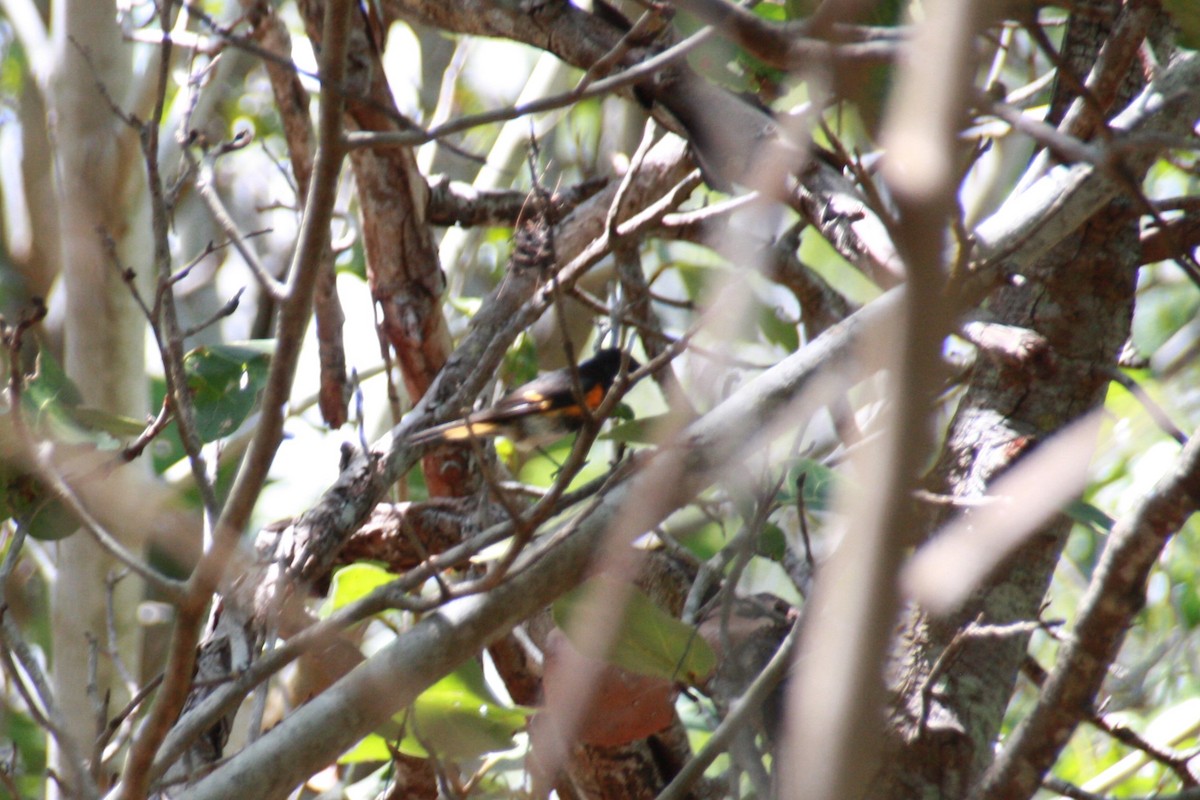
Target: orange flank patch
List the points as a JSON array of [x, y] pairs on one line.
[[594, 397]]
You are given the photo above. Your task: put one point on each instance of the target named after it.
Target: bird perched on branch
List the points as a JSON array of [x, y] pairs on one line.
[[540, 412]]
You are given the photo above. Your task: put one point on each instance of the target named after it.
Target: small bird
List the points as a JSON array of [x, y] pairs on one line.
[[540, 412]]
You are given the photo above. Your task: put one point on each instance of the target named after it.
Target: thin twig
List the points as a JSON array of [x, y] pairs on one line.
[[35, 691], [221, 313], [117, 721], [206, 187], [156, 426], [1115, 594], [390, 596], [165, 318], [1161, 418], [293, 319], [627, 78], [650, 21], [735, 720], [1176, 762], [1059, 786], [40, 455], [172, 590]]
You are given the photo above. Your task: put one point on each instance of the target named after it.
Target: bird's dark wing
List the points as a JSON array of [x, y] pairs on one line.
[[516, 411], [550, 391]]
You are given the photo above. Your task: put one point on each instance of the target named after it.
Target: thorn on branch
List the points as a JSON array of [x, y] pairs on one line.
[[240, 140], [156, 426], [224, 311]]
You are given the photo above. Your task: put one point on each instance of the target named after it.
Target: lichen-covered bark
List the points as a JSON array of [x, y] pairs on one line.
[[1080, 297]]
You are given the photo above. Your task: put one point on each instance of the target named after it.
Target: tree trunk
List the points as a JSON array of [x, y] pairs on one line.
[[101, 197]]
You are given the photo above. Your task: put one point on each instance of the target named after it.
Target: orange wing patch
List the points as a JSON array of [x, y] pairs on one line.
[[469, 430]]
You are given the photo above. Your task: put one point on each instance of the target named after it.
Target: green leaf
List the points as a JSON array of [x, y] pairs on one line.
[[117, 426], [1087, 514], [225, 381], [354, 582], [460, 717], [697, 275], [645, 429], [819, 483], [354, 262], [51, 384], [797, 9], [372, 748], [51, 521], [29, 739], [705, 541], [778, 330], [771, 12], [542, 469], [48, 398], [26, 499], [167, 448], [1187, 600], [52, 405], [650, 641], [520, 363], [467, 306], [772, 544]]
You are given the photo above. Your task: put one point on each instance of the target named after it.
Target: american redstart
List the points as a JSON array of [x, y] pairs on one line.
[[541, 411]]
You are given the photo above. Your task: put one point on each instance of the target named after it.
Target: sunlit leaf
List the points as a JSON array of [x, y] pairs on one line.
[[467, 306], [352, 583], [778, 330], [543, 467], [649, 642], [372, 748], [705, 541], [771, 11], [460, 717]]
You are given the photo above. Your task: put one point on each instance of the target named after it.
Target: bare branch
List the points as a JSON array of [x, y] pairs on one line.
[[627, 78], [1115, 594], [330, 722], [455, 203], [746, 705], [790, 45], [293, 318]]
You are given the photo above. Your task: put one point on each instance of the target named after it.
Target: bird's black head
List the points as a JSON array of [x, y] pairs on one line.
[[603, 367]]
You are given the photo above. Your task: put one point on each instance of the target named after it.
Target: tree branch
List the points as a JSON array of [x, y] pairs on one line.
[[319, 731], [293, 318], [1114, 596]]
